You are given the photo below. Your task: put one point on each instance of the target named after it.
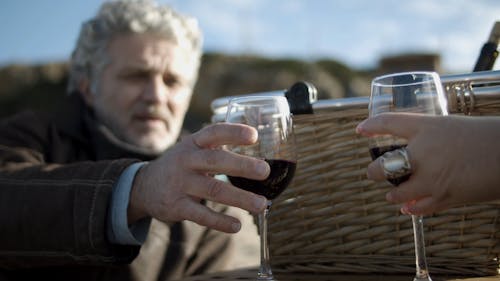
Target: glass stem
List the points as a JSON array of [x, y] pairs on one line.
[[422, 272], [265, 272]]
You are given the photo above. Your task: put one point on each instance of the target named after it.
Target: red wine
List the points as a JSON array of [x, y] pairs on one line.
[[282, 172], [376, 152]]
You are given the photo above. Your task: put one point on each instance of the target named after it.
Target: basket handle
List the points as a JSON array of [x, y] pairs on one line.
[[489, 51], [301, 97]]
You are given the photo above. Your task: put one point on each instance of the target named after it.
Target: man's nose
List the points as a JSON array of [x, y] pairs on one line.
[[156, 90]]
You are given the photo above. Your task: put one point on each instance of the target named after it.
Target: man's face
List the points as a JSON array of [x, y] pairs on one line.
[[144, 92]]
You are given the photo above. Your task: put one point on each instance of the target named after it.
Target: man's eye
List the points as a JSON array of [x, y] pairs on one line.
[[171, 81], [135, 76]]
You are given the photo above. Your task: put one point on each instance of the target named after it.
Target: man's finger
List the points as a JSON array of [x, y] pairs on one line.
[[224, 133], [224, 193], [228, 163], [205, 216]]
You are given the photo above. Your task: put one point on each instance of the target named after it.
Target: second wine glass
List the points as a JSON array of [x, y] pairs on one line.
[[271, 117], [415, 92]]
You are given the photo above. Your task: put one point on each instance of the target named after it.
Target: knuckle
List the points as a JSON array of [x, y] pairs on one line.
[[249, 164], [176, 215], [214, 189], [173, 212], [200, 218], [242, 165], [210, 158], [384, 120], [211, 130], [243, 168]]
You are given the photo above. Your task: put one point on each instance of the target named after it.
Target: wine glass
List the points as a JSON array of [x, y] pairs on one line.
[[270, 115], [417, 92]]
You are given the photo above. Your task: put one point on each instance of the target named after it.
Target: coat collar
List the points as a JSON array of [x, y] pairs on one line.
[[78, 121]]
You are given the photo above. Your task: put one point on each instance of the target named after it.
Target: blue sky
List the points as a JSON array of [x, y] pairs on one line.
[[355, 32]]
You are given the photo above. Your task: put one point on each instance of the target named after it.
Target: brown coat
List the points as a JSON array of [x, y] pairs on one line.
[[56, 179]]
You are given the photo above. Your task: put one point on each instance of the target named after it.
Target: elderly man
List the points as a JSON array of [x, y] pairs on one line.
[[102, 190]]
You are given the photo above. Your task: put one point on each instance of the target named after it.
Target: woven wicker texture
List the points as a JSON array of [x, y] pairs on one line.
[[332, 219]]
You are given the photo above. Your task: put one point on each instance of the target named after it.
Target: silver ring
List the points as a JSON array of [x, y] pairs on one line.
[[395, 163]]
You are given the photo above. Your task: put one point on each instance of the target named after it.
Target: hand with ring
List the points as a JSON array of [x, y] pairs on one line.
[[453, 160]]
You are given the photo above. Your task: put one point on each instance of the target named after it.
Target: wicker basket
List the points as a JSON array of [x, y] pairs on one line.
[[332, 219]]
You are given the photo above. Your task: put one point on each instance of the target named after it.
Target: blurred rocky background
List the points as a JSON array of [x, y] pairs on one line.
[[40, 87]]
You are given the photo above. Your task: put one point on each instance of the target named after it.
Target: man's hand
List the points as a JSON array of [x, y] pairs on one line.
[[171, 187]]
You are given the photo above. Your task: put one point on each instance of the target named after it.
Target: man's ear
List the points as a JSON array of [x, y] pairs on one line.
[[86, 92]]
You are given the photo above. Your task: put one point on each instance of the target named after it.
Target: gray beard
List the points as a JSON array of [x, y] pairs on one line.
[[124, 144]]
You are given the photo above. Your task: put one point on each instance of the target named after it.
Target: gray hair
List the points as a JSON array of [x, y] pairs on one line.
[[129, 16]]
